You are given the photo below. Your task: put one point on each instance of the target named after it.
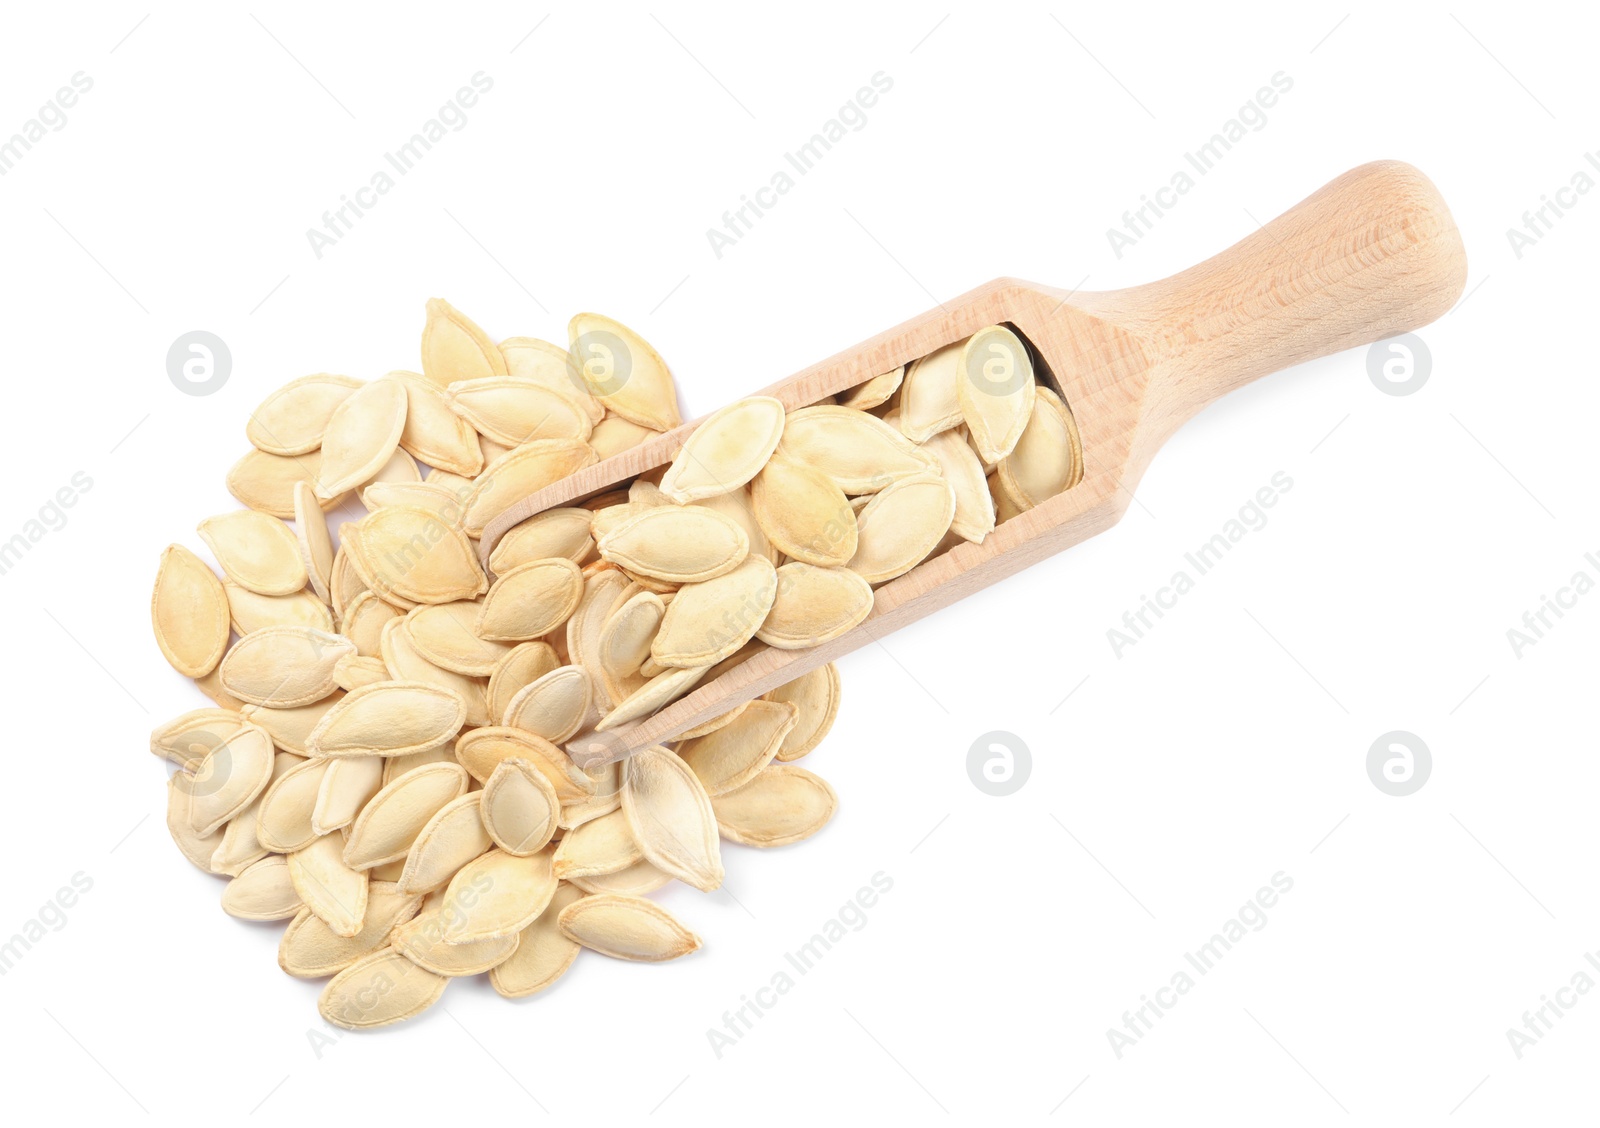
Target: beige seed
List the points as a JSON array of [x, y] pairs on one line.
[[251, 612], [285, 816], [362, 435], [445, 634], [1047, 459], [330, 888], [543, 952], [816, 695], [419, 495], [874, 392], [523, 665], [929, 399], [804, 513], [449, 840], [262, 892], [784, 804], [185, 740], [292, 419], [528, 358], [730, 757], [625, 638], [996, 388], [657, 693], [407, 664], [311, 535], [291, 728], [627, 928], [860, 452], [364, 620], [901, 525], [514, 411], [189, 612], [378, 990], [481, 750], [256, 551], [396, 766], [670, 816], [496, 894], [523, 471], [400, 469], [198, 848], [726, 450], [414, 554], [974, 519], [284, 666], [531, 600], [454, 348], [211, 685], [433, 432], [310, 949], [520, 807], [553, 533], [346, 787], [676, 544], [599, 846], [241, 845], [344, 582], [635, 881], [266, 481], [554, 705], [355, 671], [714, 723], [709, 621], [623, 372], [422, 942], [228, 779], [814, 605], [614, 434], [391, 821]]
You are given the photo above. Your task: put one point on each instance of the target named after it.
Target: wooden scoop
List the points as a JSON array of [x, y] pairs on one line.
[[1372, 255]]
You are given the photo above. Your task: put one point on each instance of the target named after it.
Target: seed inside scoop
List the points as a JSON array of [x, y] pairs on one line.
[[384, 767]]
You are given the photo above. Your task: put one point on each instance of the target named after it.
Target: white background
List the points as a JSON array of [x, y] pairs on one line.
[[1228, 745]]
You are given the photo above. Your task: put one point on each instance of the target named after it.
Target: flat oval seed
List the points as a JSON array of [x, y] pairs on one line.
[[445, 634], [198, 848], [554, 705], [553, 533], [185, 740], [670, 816], [730, 757], [416, 555], [229, 779], [860, 452], [392, 820], [995, 385], [364, 620], [292, 419], [625, 639], [1048, 458], [433, 432], [635, 881], [521, 667], [520, 472], [783, 804], [285, 816], [481, 750], [346, 787], [677, 544], [543, 952], [520, 807], [407, 664], [353, 672], [422, 942], [252, 612], [901, 525], [454, 348], [531, 600], [974, 518], [929, 399], [874, 392], [804, 513], [284, 666], [310, 950], [514, 411], [255, 551], [189, 612], [814, 605], [267, 481], [449, 840], [623, 372], [262, 892], [627, 928], [726, 450], [614, 434], [711, 620], [362, 435], [657, 693], [378, 990], [496, 894], [816, 695], [529, 358], [600, 846], [329, 887], [311, 534]]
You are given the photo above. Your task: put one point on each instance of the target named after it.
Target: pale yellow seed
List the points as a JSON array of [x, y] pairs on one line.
[[725, 450]]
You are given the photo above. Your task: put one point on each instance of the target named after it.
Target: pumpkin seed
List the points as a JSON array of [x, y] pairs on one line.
[[514, 411], [523, 471], [266, 481], [255, 551], [495, 894], [347, 785], [974, 519], [311, 535], [310, 949], [262, 892], [420, 495], [543, 952], [860, 452], [657, 693], [189, 612], [626, 928], [407, 664], [285, 816], [553, 705], [803, 513], [711, 620], [392, 819], [670, 816], [292, 419], [554, 533], [454, 348], [677, 544], [783, 804], [185, 740], [401, 469], [241, 845], [528, 358], [635, 881], [714, 723], [284, 666], [481, 750], [522, 665], [901, 525], [531, 600], [416, 555], [211, 685], [520, 807], [445, 634], [874, 392], [1047, 459], [625, 638], [726, 450], [330, 888], [362, 435], [355, 671], [290, 728], [364, 620], [421, 940], [228, 779], [251, 612], [378, 990], [623, 372], [344, 582], [433, 432], [599, 846], [816, 695], [996, 388], [815, 605], [730, 757], [198, 848], [929, 397], [449, 840], [614, 434]]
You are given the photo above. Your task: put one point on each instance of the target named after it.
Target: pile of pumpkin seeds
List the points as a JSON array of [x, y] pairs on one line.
[[384, 764]]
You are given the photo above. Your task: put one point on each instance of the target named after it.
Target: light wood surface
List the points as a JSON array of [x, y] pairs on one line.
[[1373, 254]]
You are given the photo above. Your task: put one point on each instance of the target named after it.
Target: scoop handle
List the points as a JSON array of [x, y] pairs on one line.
[[1373, 254]]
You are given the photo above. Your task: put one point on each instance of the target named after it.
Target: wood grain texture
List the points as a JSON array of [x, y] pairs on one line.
[[1373, 254]]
